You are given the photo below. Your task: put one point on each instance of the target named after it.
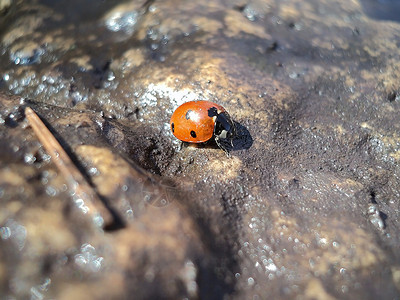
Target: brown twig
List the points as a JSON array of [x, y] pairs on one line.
[[83, 194]]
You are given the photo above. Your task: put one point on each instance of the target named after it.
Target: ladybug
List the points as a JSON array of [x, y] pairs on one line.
[[200, 121]]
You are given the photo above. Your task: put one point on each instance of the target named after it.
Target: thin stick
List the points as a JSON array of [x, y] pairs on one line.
[[83, 194]]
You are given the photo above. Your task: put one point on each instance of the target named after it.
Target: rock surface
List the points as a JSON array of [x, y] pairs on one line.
[[307, 207]]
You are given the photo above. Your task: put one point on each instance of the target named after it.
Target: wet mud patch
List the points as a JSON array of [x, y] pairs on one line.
[[145, 145]]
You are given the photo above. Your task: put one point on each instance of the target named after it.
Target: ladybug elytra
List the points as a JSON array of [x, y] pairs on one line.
[[200, 121]]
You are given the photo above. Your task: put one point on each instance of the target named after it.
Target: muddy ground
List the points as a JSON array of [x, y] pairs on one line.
[[306, 207]]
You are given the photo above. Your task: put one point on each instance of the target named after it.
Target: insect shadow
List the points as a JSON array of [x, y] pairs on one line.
[[242, 139]]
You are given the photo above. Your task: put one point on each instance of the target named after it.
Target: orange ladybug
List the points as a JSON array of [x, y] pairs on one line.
[[200, 121]]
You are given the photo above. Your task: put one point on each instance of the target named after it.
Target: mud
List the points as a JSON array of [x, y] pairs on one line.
[[306, 207]]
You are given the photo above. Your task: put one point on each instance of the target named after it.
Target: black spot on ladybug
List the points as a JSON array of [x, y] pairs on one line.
[[188, 114], [212, 112], [193, 134], [173, 127]]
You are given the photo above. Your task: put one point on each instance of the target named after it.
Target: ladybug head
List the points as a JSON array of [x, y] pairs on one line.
[[224, 131]]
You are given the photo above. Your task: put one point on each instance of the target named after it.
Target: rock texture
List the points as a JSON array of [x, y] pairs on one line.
[[307, 207]]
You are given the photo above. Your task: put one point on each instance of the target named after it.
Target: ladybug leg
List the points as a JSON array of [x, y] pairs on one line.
[[183, 145], [221, 146], [233, 134]]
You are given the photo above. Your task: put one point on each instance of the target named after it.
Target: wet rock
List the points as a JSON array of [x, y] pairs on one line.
[[306, 207]]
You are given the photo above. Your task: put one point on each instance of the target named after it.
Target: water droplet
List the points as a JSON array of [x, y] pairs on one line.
[[375, 217], [189, 274], [311, 262], [5, 232], [93, 171], [124, 22], [110, 76], [250, 281], [88, 259], [15, 232], [51, 191], [81, 205], [271, 267], [322, 242]]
